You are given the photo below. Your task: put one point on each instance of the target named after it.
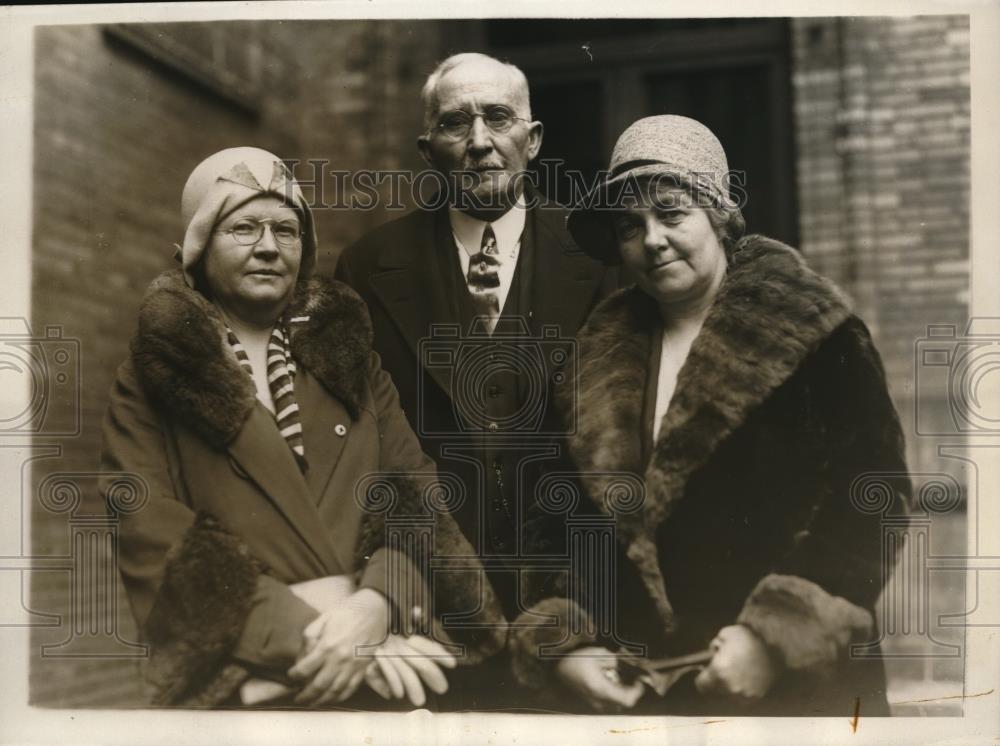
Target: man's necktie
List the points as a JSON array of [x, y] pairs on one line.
[[484, 279]]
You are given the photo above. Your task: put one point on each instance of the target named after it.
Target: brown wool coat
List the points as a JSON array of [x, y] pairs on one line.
[[745, 508], [230, 521]]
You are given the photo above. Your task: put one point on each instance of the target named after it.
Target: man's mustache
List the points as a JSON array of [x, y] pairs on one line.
[[481, 165]]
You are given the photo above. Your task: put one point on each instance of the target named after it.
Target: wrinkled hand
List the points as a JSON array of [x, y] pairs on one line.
[[403, 665], [593, 674], [329, 662], [741, 666]]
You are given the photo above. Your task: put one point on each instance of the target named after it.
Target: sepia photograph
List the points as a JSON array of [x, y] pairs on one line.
[[380, 371]]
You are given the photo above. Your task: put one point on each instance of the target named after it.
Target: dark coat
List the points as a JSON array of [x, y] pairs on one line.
[[397, 270], [230, 521], [742, 511]]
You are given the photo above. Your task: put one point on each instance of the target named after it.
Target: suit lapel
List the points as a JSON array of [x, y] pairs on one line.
[[321, 415], [413, 292], [266, 458], [416, 295], [566, 280]]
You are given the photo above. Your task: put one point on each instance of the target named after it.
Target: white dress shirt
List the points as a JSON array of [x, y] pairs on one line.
[[468, 232], [673, 353], [665, 385]]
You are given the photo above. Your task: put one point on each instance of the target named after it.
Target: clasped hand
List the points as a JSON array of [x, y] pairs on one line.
[[329, 661], [332, 667], [403, 665]]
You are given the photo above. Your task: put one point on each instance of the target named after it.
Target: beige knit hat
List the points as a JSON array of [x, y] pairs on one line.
[[667, 145], [228, 179]]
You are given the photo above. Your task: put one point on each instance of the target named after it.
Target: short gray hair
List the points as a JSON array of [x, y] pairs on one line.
[[429, 93]]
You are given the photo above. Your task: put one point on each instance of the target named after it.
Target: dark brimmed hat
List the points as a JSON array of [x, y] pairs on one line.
[[669, 147]]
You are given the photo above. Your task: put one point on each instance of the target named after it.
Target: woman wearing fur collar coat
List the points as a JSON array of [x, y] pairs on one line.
[[727, 408], [274, 454]]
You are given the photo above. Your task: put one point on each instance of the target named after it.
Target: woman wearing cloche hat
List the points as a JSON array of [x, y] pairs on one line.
[[733, 392], [256, 413]]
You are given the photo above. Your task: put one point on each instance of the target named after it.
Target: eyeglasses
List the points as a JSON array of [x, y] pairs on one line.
[[457, 124], [248, 231]]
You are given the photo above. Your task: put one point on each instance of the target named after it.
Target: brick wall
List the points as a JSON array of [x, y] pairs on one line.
[[882, 123], [116, 134], [360, 109], [115, 137], [882, 115]]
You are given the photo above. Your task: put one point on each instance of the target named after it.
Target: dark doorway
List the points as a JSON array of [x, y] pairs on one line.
[[589, 82]]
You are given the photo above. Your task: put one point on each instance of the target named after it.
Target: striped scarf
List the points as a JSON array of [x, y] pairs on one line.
[[280, 379]]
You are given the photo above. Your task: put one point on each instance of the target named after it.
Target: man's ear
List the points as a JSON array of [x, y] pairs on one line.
[[535, 132], [424, 146]]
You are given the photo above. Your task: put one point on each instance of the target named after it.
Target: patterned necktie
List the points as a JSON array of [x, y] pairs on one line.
[[281, 381], [484, 279]]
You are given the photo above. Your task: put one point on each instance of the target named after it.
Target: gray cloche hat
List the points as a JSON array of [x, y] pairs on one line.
[[680, 148]]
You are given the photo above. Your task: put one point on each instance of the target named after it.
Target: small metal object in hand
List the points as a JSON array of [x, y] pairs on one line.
[[611, 675], [661, 674]]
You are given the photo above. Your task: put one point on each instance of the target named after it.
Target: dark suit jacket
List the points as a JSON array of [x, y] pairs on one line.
[[405, 271]]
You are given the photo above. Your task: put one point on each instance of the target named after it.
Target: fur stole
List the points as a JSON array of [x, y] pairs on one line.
[[771, 312]]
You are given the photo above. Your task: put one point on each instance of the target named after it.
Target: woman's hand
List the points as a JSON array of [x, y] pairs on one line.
[[403, 665], [593, 674], [329, 661], [741, 666]]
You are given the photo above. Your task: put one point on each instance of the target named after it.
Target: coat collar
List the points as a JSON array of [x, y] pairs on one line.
[[187, 368], [771, 312]]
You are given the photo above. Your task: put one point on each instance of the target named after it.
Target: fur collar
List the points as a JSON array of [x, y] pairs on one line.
[[188, 370], [771, 312]]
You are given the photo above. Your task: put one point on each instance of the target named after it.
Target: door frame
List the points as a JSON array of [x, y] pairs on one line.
[[622, 64]]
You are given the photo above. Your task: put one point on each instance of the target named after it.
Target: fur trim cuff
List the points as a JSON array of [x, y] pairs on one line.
[[482, 632], [207, 591], [533, 671], [806, 627]]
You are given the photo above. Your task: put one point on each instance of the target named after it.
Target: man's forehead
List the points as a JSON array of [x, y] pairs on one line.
[[482, 82]]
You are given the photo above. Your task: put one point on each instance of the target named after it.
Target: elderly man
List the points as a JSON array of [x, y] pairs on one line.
[[474, 306]]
